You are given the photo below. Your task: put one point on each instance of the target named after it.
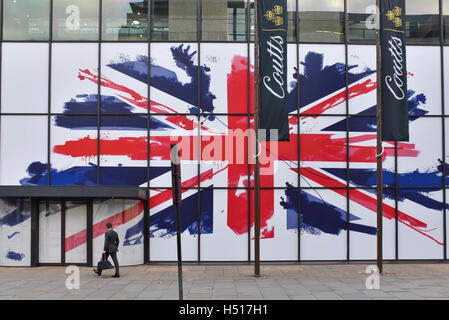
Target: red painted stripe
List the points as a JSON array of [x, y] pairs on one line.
[[339, 98], [365, 200], [127, 215], [167, 194], [311, 148], [99, 228], [357, 196]]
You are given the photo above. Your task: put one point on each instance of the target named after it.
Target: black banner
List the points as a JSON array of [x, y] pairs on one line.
[[273, 20], [394, 72]]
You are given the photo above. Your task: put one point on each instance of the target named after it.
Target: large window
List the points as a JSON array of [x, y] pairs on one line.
[[318, 21], [445, 12], [321, 20], [174, 20], [125, 20], [423, 22], [223, 20], [362, 20], [26, 19], [75, 19], [291, 30]]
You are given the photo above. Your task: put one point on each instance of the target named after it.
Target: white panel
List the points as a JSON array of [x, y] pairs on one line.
[[226, 63], [323, 226], [363, 241], [281, 242], [169, 66], [447, 225], [362, 61], [23, 143], [420, 167], [15, 232], [75, 232], [68, 86], [163, 226], [126, 217], [73, 147], [25, 77], [446, 79], [424, 76], [322, 65], [422, 236], [226, 242], [119, 84], [49, 232]]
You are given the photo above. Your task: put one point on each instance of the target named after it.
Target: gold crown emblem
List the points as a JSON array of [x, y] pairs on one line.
[[273, 15], [394, 16]]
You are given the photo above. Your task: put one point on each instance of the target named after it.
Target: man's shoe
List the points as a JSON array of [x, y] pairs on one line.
[[97, 272], [116, 276]]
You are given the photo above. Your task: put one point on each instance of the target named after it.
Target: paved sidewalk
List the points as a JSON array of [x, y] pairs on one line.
[[225, 282]]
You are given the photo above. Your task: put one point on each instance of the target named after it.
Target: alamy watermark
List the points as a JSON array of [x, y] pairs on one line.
[[372, 22], [373, 281], [236, 146], [72, 22], [72, 281]]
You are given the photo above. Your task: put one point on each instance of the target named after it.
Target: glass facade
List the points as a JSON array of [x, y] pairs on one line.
[[174, 20], [125, 20], [75, 20], [423, 21], [94, 92], [26, 19], [321, 20], [362, 20], [223, 20]]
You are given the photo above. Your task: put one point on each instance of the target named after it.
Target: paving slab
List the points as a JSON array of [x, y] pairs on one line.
[[230, 282]]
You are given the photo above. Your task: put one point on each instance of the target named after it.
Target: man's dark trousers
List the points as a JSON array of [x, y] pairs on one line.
[[111, 243], [114, 259]]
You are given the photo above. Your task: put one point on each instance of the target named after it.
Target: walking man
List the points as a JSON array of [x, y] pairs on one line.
[[111, 243]]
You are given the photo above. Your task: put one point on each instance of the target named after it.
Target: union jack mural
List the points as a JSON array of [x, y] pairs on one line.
[[336, 148]]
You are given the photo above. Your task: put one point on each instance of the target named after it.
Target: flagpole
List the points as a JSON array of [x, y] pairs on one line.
[[256, 131], [379, 141]]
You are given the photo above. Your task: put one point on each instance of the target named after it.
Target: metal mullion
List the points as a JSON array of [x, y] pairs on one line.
[[25, 41], [146, 231], [75, 41], [89, 231], [34, 243], [147, 208], [234, 24], [50, 47], [396, 202], [346, 36], [248, 77], [200, 114], [417, 187], [90, 114], [100, 39], [198, 17], [120, 41], [1, 63], [199, 179], [298, 112], [227, 41], [342, 115], [225, 114], [198, 21], [443, 126], [63, 218], [150, 24]]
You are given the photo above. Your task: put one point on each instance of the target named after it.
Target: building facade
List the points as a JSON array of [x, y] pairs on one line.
[[94, 91]]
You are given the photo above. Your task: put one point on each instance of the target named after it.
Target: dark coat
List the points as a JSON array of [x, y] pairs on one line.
[[111, 241]]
